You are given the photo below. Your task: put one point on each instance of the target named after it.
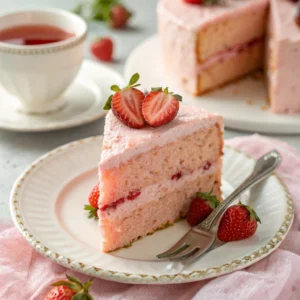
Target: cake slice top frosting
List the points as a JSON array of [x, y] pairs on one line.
[[195, 16], [121, 143], [283, 14]]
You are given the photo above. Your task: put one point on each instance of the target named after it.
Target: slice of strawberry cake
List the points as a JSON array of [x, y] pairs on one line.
[[149, 175]]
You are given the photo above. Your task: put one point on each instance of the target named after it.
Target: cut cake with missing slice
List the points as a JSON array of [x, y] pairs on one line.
[[148, 176], [206, 46]]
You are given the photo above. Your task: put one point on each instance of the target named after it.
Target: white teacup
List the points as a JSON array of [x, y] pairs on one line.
[[37, 75]]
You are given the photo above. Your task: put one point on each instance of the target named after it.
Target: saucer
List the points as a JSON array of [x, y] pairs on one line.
[[84, 101]]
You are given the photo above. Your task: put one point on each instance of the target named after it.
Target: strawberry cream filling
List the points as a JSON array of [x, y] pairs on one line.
[[227, 54], [155, 191]]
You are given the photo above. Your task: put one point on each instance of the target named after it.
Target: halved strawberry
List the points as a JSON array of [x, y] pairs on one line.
[[126, 103], [160, 107]]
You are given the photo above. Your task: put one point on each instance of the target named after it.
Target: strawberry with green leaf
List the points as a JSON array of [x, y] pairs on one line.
[[113, 12], [126, 103], [238, 222], [70, 289], [201, 207], [93, 207]]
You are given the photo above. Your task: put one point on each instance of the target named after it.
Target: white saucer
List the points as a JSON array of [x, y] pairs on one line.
[[85, 99], [48, 212], [242, 104]]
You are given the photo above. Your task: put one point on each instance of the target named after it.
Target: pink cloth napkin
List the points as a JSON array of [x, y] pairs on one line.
[[26, 275]]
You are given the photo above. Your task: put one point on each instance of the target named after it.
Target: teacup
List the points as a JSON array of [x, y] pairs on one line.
[[39, 74]]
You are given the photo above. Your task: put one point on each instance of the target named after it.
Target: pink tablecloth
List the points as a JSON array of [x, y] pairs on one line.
[[25, 274]]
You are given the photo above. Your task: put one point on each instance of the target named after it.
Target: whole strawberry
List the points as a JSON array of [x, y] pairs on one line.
[[126, 104], [92, 208], [160, 107], [119, 16], [238, 222], [102, 49], [201, 207], [70, 289]]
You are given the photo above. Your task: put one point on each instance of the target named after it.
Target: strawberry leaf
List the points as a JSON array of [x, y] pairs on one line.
[[166, 90], [92, 212], [134, 79], [79, 296], [107, 105], [115, 88], [89, 297], [178, 97], [136, 85], [156, 89], [88, 284], [252, 213], [74, 279], [212, 199]]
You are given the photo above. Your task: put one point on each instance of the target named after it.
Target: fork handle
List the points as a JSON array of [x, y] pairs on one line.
[[263, 168]]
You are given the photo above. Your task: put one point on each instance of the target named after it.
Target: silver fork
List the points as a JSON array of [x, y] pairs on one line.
[[201, 237]]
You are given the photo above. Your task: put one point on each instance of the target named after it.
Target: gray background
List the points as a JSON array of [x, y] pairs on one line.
[[17, 150]]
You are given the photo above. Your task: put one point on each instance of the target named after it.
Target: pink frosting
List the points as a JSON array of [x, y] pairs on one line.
[[195, 16], [121, 143], [284, 58]]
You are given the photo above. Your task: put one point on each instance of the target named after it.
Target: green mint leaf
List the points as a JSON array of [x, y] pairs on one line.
[[178, 97], [115, 88], [134, 79], [156, 89], [107, 105]]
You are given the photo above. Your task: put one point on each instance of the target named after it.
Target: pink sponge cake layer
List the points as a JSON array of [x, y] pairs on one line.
[[148, 176]]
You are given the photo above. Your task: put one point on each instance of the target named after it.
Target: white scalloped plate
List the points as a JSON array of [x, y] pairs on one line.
[[47, 208], [242, 104]]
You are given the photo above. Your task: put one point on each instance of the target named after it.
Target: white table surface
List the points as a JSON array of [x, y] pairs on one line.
[[17, 150]]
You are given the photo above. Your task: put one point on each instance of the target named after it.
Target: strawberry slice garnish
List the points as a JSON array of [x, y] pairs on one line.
[[238, 222], [93, 207], [126, 103], [160, 107], [201, 207]]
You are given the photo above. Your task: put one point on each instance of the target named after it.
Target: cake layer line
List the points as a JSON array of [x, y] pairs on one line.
[[156, 191], [227, 54]]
